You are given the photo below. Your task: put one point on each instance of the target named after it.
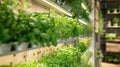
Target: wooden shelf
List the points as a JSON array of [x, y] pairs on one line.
[[114, 13], [112, 47], [97, 5], [114, 27], [112, 0], [109, 65], [115, 40]]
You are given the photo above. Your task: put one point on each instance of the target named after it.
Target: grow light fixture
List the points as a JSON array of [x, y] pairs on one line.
[[46, 1], [83, 5], [82, 21]]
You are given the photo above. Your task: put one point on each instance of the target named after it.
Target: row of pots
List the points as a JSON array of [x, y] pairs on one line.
[[110, 24], [114, 11], [6, 48]]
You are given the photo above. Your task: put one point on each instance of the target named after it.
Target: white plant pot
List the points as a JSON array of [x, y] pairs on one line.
[[63, 3], [4, 48], [115, 11], [39, 45], [70, 38], [59, 41], [109, 24], [108, 11], [63, 40], [22, 46], [75, 38], [115, 24], [36, 45]]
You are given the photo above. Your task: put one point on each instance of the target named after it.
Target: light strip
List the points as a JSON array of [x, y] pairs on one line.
[[57, 7], [83, 6], [82, 21]]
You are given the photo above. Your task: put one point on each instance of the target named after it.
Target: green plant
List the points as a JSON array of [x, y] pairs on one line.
[[62, 57], [109, 9], [115, 8], [90, 64], [8, 13], [83, 44], [85, 57], [101, 31], [100, 23], [115, 20], [75, 5], [19, 25], [112, 59], [110, 36], [99, 56], [31, 64], [88, 5]]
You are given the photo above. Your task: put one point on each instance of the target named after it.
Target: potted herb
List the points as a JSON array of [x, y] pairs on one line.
[[22, 43], [7, 15], [115, 10], [5, 39], [115, 21], [109, 23], [110, 36], [109, 9], [4, 45], [99, 56]]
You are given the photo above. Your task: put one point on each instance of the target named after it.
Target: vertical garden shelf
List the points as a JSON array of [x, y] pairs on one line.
[[111, 15]]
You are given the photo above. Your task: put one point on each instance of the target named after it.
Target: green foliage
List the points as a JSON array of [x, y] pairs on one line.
[[90, 64], [62, 57], [88, 5], [20, 25], [88, 30], [76, 5], [31, 64], [109, 8], [112, 59], [99, 55], [100, 23], [115, 20], [86, 56], [119, 8], [83, 44], [7, 17], [110, 36]]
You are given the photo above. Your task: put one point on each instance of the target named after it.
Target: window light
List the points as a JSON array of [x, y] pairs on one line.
[[57, 7], [82, 4], [82, 21]]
